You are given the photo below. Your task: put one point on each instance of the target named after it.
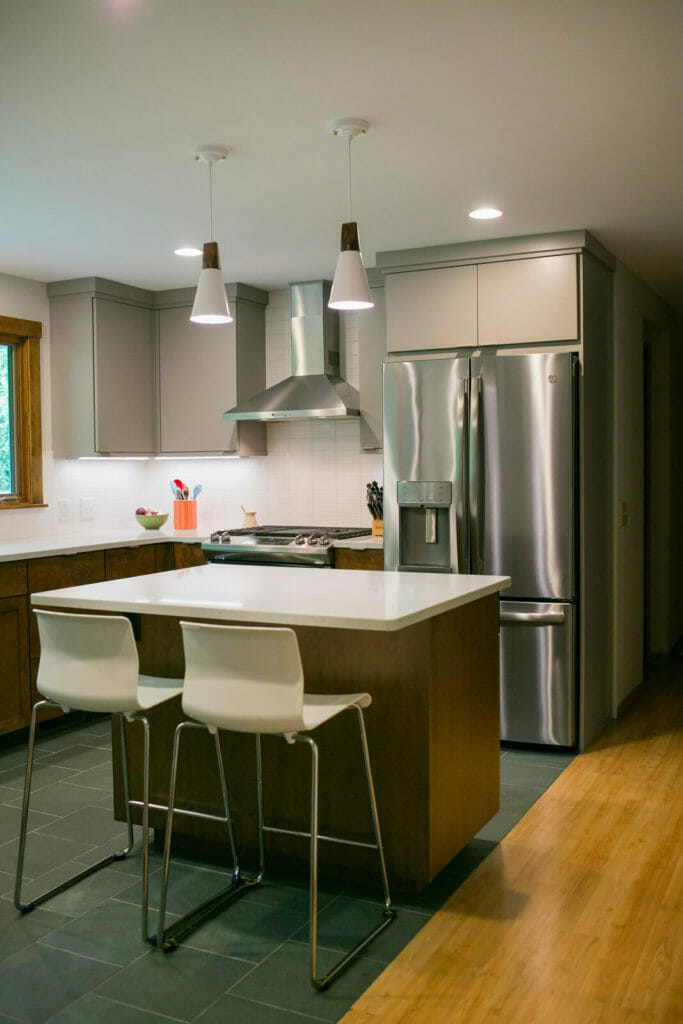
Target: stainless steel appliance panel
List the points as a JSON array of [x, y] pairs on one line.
[[537, 685], [425, 408], [521, 473]]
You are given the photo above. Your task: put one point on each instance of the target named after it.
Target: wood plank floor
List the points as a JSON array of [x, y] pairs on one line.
[[575, 918]]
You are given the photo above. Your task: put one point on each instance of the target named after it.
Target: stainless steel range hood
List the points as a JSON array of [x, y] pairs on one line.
[[314, 390]]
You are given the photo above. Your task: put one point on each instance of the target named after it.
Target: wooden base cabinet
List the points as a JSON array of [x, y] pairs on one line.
[[15, 710]]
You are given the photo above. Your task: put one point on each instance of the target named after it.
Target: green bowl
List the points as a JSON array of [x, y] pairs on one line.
[[152, 522]]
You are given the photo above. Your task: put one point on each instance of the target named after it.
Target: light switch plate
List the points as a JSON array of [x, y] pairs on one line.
[[87, 508], [63, 510]]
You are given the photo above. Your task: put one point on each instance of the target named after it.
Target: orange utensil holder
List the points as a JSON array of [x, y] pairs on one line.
[[185, 515]]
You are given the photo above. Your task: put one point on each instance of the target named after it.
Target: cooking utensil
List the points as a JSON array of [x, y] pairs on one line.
[[186, 493], [197, 491]]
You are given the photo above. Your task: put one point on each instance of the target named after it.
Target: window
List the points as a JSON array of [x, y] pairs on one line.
[[21, 478]]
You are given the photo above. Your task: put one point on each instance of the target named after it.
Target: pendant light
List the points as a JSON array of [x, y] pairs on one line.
[[350, 288], [210, 301]]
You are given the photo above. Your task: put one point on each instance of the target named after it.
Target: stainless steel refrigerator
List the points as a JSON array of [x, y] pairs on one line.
[[480, 477]]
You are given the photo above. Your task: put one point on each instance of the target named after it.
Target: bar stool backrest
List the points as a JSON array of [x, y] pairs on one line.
[[243, 678], [88, 662]]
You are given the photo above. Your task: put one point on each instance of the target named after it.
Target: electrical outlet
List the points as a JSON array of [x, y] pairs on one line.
[[63, 510], [87, 508]]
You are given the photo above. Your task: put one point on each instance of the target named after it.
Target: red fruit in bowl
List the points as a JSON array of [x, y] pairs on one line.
[[140, 511]]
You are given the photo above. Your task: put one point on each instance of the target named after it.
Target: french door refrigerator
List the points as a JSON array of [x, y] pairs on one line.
[[480, 477]]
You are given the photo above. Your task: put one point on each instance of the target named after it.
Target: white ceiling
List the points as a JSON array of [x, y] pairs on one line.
[[565, 113]]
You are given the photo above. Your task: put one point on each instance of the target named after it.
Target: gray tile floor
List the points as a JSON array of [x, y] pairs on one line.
[[79, 958]]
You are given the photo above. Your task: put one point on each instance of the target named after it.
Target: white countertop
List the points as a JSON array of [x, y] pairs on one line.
[[342, 598], [41, 547], [365, 543]]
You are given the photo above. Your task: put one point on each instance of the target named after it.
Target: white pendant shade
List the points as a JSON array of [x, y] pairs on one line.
[[210, 301], [350, 289]]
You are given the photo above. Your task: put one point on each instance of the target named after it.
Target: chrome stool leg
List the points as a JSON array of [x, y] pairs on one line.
[[109, 859], [389, 913], [169, 938], [373, 809]]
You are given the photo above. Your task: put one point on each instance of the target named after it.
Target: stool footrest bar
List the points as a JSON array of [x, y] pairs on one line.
[[327, 839], [181, 810], [187, 924], [32, 904], [326, 980]]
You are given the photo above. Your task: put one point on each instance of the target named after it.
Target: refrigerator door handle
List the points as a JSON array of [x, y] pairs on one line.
[[534, 618], [476, 480], [461, 477]]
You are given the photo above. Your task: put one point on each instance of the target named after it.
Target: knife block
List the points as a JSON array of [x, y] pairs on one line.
[[377, 527]]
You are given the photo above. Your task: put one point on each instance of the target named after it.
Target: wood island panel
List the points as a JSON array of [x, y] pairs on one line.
[[433, 730]]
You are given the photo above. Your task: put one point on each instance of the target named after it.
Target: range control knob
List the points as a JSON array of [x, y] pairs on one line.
[[312, 539], [299, 539], [225, 537], [323, 539], [215, 538]]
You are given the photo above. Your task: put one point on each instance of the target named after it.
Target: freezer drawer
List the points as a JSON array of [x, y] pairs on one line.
[[537, 677]]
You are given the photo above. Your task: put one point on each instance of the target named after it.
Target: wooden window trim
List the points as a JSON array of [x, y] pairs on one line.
[[24, 336]]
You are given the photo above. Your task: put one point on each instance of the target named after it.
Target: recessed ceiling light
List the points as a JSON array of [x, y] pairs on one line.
[[486, 213], [187, 250]]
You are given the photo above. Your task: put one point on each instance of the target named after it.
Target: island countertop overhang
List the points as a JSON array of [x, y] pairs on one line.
[[329, 598]]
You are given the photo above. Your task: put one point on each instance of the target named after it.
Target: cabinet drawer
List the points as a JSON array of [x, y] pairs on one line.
[[348, 558], [13, 579], [163, 557], [15, 707], [187, 555], [65, 571], [122, 562]]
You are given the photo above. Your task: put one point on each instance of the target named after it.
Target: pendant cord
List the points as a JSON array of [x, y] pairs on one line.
[[211, 200], [350, 139]]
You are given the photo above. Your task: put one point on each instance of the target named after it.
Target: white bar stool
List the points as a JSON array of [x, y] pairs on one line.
[[90, 663], [250, 679]]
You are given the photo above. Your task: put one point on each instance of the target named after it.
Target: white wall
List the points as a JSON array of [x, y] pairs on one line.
[[635, 306], [314, 474]]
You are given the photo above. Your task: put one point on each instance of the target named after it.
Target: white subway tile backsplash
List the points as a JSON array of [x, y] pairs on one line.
[[314, 473]]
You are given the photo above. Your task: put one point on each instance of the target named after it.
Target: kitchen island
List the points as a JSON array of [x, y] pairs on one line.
[[424, 645]]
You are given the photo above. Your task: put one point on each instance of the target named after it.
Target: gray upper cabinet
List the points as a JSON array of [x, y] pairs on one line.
[[528, 300], [204, 370], [102, 368], [431, 309], [124, 377], [196, 384]]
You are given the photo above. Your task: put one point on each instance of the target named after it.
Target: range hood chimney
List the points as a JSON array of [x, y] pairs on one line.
[[314, 390]]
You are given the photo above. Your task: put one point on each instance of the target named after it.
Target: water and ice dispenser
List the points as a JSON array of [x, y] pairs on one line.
[[424, 525]]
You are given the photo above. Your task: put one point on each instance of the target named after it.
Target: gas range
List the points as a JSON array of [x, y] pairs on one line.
[[278, 545]]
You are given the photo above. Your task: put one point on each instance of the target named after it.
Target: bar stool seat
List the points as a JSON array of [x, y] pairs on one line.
[[250, 679], [90, 663]]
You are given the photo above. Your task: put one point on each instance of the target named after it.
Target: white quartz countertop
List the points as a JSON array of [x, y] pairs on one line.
[[41, 547], [365, 543], [341, 598]]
